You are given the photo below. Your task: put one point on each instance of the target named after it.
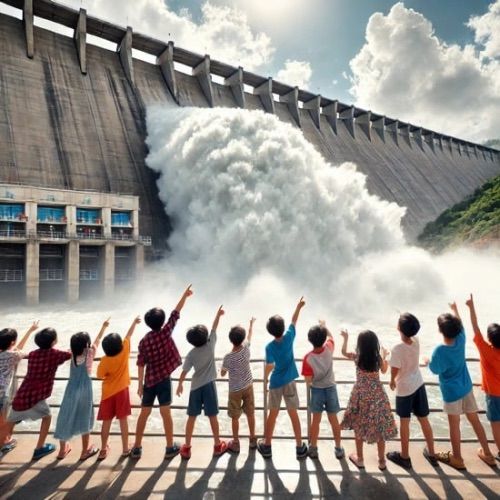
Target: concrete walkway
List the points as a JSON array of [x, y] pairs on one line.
[[241, 477]]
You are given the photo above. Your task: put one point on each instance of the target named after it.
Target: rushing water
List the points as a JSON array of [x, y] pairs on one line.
[[260, 219]]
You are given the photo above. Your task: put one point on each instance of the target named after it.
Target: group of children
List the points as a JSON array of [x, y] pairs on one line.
[[368, 412]]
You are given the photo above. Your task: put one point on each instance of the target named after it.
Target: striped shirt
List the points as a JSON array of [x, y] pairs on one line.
[[237, 365]]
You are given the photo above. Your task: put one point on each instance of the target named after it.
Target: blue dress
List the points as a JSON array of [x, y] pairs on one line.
[[76, 415]]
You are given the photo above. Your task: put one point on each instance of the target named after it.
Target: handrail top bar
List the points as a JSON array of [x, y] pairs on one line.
[[106, 30]]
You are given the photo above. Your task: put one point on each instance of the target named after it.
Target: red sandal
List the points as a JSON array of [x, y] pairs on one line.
[[220, 449], [185, 451]]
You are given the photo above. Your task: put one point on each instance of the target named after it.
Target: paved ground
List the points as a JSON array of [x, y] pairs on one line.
[[240, 477]]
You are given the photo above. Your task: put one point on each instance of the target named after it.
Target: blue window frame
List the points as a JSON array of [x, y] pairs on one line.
[[120, 219], [88, 216], [11, 211], [51, 214]]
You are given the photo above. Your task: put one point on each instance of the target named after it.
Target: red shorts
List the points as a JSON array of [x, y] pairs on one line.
[[116, 406]]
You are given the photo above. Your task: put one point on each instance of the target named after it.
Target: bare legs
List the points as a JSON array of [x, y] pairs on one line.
[[270, 424], [141, 425], [473, 418], [44, 431], [428, 434], [189, 429]]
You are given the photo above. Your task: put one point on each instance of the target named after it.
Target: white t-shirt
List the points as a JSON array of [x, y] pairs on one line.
[[406, 357]]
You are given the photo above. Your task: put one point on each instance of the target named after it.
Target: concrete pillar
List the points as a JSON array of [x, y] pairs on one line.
[[292, 102], [166, 62], [73, 271], [28, 28], [404, 131], [429, 139], [80, 38], [379, 126], [347, 116], [459, 146], [30, 210], [393, 128], [313, 106], [417, 136], [265, 92], [106, 221], [330, 112], [125, 54], [202, 74], [364, 121], [109, 269], [135, 224], [32, 272], [71, 220], [235, 82]]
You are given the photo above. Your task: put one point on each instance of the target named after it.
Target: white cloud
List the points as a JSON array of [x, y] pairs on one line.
[[487, 30], [295, 73], [405, 71]]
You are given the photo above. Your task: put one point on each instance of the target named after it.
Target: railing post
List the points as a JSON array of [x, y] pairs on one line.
[[264, 391], [308, 399]]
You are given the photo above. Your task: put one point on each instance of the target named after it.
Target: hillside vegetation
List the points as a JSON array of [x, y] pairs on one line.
[[473, 221]]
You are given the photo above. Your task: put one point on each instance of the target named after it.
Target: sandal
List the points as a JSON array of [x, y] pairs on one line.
[[46, 449], [89, 453], [220, 449], [104, 453], [430, 458], [185, 451], [65, 452], [487, 459], [355, 460], [382, 465], [233, 446], [8, 446], [252, 444], [447, 458]]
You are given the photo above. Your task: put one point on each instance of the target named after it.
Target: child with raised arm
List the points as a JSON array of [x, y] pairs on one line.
[[30, 401], [411, 396], [113, 370], [317, 369], [280, 364], [368, 411], [203, 393], [10, 356], [158, 357], [448, 361], [76, 415], [489, 357], [240, 399]]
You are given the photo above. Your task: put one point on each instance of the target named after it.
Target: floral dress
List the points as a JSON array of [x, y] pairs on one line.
[[368, 412]]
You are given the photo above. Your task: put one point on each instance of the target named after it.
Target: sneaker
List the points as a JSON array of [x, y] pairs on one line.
[[233, 446], [395, 456], [46, 449], [447, 458], [185, 452], [136, 452], [301, 451], [264, 449], [430, 458], [339, 453], [220, 449], [172, 451], [252, 444], [487, 459], [312, 452]]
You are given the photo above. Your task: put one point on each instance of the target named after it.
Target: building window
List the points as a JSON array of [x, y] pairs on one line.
[[121, 219], [51, 214], [88, 216], [12, 212]]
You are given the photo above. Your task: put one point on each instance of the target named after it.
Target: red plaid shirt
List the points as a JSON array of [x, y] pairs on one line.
[[158, 353], [39, 380]]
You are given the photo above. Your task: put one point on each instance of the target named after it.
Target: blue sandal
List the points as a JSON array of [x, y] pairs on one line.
[[46, 449]]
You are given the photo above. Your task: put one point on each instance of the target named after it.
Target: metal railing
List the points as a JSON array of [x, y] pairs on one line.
[[12, 233], [52, 235], [51, 274], [11, 275], [262, 382]]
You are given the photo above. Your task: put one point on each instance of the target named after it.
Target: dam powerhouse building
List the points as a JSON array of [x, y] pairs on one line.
[[79, 208]]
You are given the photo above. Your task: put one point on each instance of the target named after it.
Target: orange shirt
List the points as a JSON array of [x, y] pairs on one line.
[[113, 370], [490, 366]]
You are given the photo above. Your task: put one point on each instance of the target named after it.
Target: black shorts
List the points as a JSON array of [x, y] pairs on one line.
[[415, 403], [162, 390]]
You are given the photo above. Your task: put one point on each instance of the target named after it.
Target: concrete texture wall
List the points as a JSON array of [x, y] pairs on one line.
[[60, 128]]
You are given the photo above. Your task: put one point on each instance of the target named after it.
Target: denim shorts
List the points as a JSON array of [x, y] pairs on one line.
[[162, 390], [493, 408], [324, 400], [204, 397]]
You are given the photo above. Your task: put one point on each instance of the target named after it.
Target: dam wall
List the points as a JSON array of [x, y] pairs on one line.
[[72, 116]]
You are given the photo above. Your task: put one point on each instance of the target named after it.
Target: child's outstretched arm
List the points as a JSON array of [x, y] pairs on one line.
[[301, 303], [473, 317], [180, 387], [250, 330], [26, 336], [130, 332], [220, 312], [187, 293], [384, 365], [97, 340], [345, 338], [454, 309]]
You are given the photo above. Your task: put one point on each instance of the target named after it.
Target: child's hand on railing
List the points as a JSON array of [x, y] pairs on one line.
[[425, 361], [392, 385], [140, 390]]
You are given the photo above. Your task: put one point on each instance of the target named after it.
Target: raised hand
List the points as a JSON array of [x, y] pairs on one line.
[[322, 322], [344, 334], [470, 302], [34, 326], [105, 323], [220, 312]]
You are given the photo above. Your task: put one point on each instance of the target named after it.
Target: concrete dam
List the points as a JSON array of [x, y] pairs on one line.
[[72, 119]]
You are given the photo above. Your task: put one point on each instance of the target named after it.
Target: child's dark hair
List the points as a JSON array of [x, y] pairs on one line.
[[494, 335], [78, 343], [7, 336], [275, 326], [155, 318], [449, 325], [368, 356], [45, 338], [317, 335], [237, 335], [408, 324], [197, 335], [112, 344]]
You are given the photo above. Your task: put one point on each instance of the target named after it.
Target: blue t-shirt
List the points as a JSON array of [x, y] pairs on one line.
[[448, 361], [280, 353]]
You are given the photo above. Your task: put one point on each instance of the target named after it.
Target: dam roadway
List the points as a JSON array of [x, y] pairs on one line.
[[72, 116]]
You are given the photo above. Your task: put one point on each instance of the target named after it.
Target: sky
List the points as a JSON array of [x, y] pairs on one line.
[[435, 63]]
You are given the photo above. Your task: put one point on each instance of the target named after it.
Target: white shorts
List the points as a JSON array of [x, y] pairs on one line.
[[467, 404], [40, 410]]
